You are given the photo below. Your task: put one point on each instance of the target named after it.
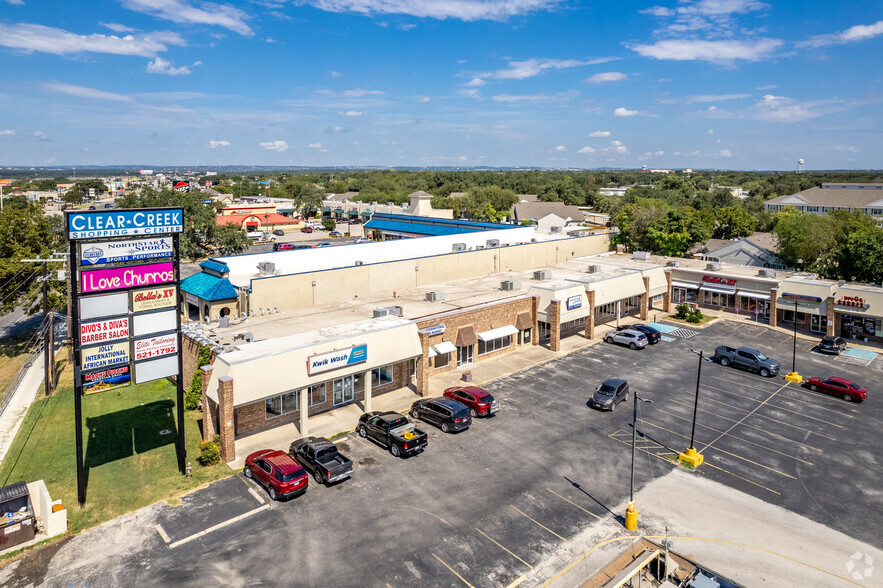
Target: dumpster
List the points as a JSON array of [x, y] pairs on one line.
[[17, 521]]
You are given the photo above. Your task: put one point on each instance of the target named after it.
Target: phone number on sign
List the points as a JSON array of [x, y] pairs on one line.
[[154, 353]]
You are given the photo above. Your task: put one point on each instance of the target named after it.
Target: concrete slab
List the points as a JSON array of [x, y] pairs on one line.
[[865, 354]]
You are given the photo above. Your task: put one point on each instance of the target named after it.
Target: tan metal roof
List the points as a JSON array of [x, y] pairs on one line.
[[852, 197]]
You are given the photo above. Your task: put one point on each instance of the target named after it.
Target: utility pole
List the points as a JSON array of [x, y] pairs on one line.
[[631, 513], [794, 376], [48, 323], [691, 456]]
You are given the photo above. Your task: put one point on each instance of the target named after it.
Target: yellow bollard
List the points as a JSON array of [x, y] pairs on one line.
[[631, 517]]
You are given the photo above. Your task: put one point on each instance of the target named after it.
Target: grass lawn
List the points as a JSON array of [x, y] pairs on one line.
[[13, 352], [129, 462], [702, 322]]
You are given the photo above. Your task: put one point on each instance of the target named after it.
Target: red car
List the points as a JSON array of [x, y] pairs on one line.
[[846, 389], [480, 402], [306, 229], [282, 246], [278, 472]]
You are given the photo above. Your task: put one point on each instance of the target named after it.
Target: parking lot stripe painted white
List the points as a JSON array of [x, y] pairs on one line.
[[827, 422], [754, 410], [257, 496], [368, 445], [812, 404], [452, 570], [539, 524], [162, 532], [504, 549], [218, 526], [711, 465], [574, 504]]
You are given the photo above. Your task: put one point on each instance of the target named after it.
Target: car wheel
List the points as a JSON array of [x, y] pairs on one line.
[[764, 372], [415, 414], [813, 387], [272, 492], [847, 398], [394, 449], [632, 346], [608, 339], [626, 397], [613, 406], [725, 361], [317, 477], [473, 413], [363, 432], [444, 428], [247, 472]]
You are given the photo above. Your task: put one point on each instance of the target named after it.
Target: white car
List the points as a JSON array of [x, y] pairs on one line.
[[634, 339], [362, 240]]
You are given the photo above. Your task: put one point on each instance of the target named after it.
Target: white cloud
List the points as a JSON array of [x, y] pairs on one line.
[[7, 132], [333, 130], [423, 99], [782, 109], [712, 17], [275, 146], [315, 145], [846, 148], [713, 51], [84, 92], [222, 15], [467, 10], [357, 92], [658, 11], [270, 40], [616, 148], [726, 153], [161, 66], [336, 74], [31, 37], [214, 144], [408, 27], [610, 76], [560, 148], [715, 97], [850, 35], [470, 92], [117, 28], [660, 153], [586, 150], [560, 97], [709, 132], [528, 68], [351, 113], [475, 83], [625, 112], [597, 134]]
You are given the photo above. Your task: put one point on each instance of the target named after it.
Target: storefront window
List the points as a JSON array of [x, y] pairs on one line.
[[381, 376], [606, 310], [818, 323], [494, 344], [442, 359], [525, 336], [545, 331], [317, 394], [683, 295], [718, 299], [580, 322], [358, 383], [282, 404], [859, 326], [788, 316]]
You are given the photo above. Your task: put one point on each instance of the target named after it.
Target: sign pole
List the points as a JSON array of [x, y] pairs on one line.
[[78, 384], [182, 449]]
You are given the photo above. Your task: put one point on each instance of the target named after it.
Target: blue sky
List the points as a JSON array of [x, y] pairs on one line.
[[729, 84]]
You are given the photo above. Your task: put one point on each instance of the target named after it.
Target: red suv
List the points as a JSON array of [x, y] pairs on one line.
[[480, 402], [846, 389], [278, 472], [282, 246], [306, 229]]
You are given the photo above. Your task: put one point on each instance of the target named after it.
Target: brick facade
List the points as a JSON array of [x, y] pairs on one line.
[[226, 420]]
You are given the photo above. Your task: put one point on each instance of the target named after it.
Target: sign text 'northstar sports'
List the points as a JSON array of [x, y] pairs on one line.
[[125, 250], [124, 223]]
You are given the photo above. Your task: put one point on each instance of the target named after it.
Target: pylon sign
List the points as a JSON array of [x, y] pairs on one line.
[[124, 294]]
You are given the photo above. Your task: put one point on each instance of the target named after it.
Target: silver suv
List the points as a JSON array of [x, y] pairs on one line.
[[634, 339]]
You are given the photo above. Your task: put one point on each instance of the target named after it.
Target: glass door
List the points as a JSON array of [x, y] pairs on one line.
[[343, 390], [464, 355]]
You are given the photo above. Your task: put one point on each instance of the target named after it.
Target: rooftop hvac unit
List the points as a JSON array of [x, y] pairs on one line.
[[673, 263], [510, 285], [459, 247], [434, 296], [642, 255], [248, 337], [593, 269], [266, 267], [360, 262], [713, 267], [540, 275], [767, 272], [554, 229], [379, 312], [224, 322], [493, 243], [394, 310]]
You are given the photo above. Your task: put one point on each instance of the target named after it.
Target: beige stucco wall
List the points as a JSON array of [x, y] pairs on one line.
[[617, 288], [560, 291]]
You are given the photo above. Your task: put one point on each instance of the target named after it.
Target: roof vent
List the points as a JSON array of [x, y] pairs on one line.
[[380, 312], [434, 296], [540, 275], [766, 272], [593, 269], [360, 262], [713, 267], [510, 285], [673, 263], [642, 255], [394, 310], [267, 268], [841, 282], [493, 243], [459, 247]]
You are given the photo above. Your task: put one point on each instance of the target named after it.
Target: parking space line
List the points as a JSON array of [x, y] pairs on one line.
[[754, 378], [574, 504], [218, 526], [162, 533], [789, 410], [771, 406], [764, 447], [504, 549], [257, 496], [711, 465], [800, 391], [723, 451], [368, 445], [517, 582], [755, 409], [539, 524], [452, 570]]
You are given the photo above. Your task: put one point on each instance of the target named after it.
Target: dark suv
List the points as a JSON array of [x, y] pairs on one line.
[[830, 344], [444, 413], [609, 394], [653, 336]]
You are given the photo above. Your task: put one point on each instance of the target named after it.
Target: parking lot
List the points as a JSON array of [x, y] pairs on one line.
[[486, 506]]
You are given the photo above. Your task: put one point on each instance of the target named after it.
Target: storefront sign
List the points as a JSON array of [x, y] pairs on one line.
[[125, 250], [156, 369], [108, 379], [104, 356], [801, 298], [434, 330], [127, 277], [853, 302], [154, 298], [719, 280], [102, 331], [154, 322], [324, 362], [96, 224], [156, 346], [92, 307], [191, 299], [574, 302]]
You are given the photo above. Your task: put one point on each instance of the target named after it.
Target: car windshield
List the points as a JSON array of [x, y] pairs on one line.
[[606, 390], [290, 476], [761, 356]]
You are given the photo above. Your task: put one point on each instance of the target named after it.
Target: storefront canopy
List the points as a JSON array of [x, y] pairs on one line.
[[718, 289], [466, 336], [444, 347], [523, 321], [755, 295], [686, 285], [497, 333]]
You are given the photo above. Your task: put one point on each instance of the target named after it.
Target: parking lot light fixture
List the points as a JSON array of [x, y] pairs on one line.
[[631, 513], [690, 455], [793, 376]]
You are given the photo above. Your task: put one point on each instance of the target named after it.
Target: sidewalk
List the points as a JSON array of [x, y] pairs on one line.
[[22, 398]]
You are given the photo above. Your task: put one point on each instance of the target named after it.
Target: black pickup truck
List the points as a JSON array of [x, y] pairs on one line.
[[392, 430], [747, 358], [320, 457]]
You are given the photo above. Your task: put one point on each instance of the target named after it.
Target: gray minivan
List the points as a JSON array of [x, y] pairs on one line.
[[609, 394]]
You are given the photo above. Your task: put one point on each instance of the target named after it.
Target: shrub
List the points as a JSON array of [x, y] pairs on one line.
[[210, 452], [681, 311], [193, 394], [694, 316], [328, 224]]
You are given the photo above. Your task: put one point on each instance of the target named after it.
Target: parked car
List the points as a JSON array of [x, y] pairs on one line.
[[479, 401], [278, 232], [108, 205], [747, 358], [320, 457], [653, 336], [448, 415], [846, 389], [392, 430], [326, 244], [831, 344], [91, 208], [335, 234], [282, 246], [302, 246], [277, 472], [609, 394], [306, 229], [634, 339], [362, 240]]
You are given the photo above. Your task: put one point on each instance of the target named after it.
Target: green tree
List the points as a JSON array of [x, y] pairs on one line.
[[490, 203], [861, 256], [733, 222], [805, 240]]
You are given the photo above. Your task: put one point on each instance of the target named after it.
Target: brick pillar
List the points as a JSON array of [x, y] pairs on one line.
[[535, 317], [774, 295], [208, 419], [225, 418], [590, 320], [830, 313], [666, 298], [555, 326], [645, 299], [423, 366]]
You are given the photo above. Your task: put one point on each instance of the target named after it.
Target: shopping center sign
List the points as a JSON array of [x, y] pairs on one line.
[[98, 224], [332, 360]]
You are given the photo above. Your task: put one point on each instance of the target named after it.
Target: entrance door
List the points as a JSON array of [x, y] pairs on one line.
[[464, 355], [818, 323], [343, 390]]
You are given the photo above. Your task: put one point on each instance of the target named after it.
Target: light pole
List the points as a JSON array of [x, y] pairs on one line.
[[793, 376], [631, 514], [690, 455]]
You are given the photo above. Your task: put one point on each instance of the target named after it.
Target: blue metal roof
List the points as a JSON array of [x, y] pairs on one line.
[[217, 266], [208, 287], [427, 226]]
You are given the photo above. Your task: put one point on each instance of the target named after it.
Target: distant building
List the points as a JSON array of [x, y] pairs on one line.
[[734, 190], [618, 191], [757, 250], [546, 215], [867, 198]]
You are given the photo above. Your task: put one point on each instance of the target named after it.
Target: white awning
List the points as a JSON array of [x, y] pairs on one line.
[[498, 333], [717, 289], [445, 347], [755, 295], [686, 285], [432, 352]]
